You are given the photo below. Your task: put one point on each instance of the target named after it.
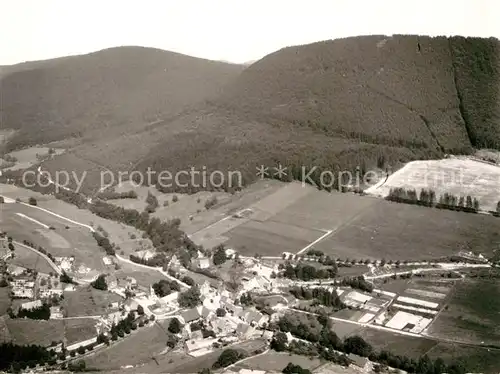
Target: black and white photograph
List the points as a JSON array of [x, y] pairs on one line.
[[250, 187]]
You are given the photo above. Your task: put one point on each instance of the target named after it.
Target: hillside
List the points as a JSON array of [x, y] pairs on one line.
[[364, 101], [118, 87], [367, 101]]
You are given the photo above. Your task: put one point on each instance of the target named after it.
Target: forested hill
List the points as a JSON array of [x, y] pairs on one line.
[[360, 101], [411, 91]]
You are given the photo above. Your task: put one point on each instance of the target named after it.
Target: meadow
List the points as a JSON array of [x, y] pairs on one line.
[[65, 240], [138, 348], [471, 315], [87, 301], [28, 331], [394, 231], [409, 346]]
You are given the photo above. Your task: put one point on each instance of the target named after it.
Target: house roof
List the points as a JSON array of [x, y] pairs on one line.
[[242, 328], [205, 312], [193, 345], [196, 335], [190, 315], [253, 316], [357, 360]]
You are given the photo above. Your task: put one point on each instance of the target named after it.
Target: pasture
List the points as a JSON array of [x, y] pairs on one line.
[[474, 359], [190, 209], [4, 330], [409, 232], [458, 176], [472, 313], [4, 300], [25, 223], [270, 238], [77, 330], [278, 361], [87, 301], [138, 348], [361, 227], [144, 277], [409, 346], [27, 331], [119, 233], [29, 259]]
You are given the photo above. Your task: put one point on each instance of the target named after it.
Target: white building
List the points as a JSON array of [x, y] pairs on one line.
[[191, 346]]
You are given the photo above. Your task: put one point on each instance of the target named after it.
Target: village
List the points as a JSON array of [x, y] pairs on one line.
[[222, 314]]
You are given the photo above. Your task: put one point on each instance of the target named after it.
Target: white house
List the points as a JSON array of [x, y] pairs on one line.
[[195, 345]]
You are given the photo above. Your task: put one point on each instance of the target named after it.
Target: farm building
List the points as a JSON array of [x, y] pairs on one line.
[[190, 315], [202, 263], [198, 347]]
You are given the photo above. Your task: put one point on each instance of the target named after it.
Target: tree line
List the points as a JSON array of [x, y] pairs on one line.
[[15, 357], [321, 295], [40, 313], [308, 272], [427, 197]]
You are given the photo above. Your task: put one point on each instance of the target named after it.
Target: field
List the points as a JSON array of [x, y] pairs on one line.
[[87, 302], [144, 277], [27, 331], [475, 359], [278, 361], [458, 176], [65, 242], [472, 313], [186, 206], [77, 330], [119, 234], [397, 344], [30, 259], [4, 300], [400, 231], [193, 365], [139, 348], [292, 217], [270, 238]]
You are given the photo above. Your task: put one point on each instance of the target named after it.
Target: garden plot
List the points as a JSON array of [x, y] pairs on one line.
[[407, 321], [457, 176]]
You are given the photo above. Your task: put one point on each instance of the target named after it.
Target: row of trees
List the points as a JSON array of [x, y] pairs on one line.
[[427, 197], [15, 357], [110, 195], [308, 272], [104, 243], [321, 295]]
